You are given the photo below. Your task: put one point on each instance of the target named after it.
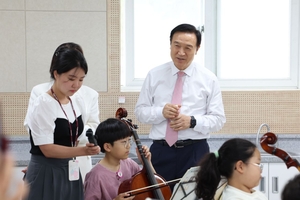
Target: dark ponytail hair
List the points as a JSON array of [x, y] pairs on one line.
[[221, 163]]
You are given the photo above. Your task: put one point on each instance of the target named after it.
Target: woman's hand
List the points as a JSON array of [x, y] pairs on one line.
[[25, 170], [91, 149]]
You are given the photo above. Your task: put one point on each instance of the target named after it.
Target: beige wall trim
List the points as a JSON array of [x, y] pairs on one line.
[[245, 111]]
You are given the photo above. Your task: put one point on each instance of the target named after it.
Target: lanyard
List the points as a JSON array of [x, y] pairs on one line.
[[70, 126]]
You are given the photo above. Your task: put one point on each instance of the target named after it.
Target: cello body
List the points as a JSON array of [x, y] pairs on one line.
[[140, 180], [140, 183]]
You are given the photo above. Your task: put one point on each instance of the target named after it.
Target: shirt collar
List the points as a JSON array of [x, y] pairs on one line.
[[188, 71]]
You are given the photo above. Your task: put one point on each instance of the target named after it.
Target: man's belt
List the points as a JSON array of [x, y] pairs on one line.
[[179, 143]]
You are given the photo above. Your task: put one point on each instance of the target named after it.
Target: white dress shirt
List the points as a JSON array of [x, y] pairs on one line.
[[201, 98]]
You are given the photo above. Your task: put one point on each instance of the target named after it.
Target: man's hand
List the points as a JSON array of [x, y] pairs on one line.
[[170, 111], [181, 122]]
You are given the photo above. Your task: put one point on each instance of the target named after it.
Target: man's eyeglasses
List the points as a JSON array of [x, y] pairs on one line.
[[260, 165]]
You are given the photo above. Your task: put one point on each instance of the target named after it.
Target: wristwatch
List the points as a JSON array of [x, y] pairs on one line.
[[193, 122]]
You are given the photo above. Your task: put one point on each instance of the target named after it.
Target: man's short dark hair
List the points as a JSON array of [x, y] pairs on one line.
[[187, 28]]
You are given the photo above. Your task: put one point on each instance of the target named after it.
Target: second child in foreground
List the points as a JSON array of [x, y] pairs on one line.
[[239, 161], [103, 181]]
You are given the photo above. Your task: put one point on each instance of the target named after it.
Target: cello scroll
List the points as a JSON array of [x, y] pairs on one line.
[[268, 141], [122, 114]]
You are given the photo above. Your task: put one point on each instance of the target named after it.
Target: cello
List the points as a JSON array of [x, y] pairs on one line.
[[268, 141], [145, 183]]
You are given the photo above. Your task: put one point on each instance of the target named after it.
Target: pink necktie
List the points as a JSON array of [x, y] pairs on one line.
[[171, 135]]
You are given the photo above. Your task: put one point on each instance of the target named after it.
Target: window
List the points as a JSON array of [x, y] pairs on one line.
[[247, 44], [146, 35], [257, 43]]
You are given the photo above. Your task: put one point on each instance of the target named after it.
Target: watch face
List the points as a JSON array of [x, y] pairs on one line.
[[193, 122]]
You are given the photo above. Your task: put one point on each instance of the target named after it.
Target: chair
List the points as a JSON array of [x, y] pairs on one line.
[[219, 192]]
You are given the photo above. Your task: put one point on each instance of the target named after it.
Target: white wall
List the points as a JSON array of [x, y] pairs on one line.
[[31, 30]]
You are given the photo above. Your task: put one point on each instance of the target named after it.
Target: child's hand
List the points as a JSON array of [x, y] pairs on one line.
[[147, 153], [124, 196]]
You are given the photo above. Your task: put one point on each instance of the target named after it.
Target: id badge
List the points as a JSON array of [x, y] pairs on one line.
[[73, 170]]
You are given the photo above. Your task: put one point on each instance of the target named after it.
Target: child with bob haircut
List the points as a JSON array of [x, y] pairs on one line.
[[103, 181], [239, 161]]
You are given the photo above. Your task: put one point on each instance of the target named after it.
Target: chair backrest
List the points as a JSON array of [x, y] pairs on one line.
[[219, 192], [185, 189]]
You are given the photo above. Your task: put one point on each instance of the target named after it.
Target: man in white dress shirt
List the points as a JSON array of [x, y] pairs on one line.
[[200, 112]]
